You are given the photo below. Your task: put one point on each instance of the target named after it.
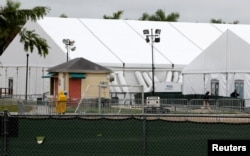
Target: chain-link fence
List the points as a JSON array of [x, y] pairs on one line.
[[132, 105], [117, 135]]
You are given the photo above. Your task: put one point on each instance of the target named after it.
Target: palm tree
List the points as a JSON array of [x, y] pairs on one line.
[[12, 20], [220, 21], [160, 16], [145, 17], [31, 40], [116, 15], [235, 22], [63, 16]]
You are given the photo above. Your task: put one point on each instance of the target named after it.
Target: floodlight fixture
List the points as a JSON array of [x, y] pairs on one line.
[[71, 43], [69, 46], [65, 41], [158, 31], [157, 39], [146, 32], [73, 48]]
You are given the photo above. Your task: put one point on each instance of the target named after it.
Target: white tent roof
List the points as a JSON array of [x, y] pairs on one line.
[[120, 41], [229, 53], [14, 55]]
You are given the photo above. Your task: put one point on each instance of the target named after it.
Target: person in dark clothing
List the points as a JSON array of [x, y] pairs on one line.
[[206, 98], [206, 102], [234, 94]]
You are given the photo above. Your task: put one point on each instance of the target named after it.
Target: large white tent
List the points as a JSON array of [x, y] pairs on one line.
[[116, 44], [223, 67]]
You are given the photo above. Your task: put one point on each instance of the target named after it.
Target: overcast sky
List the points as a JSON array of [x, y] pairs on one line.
[[190, 10]]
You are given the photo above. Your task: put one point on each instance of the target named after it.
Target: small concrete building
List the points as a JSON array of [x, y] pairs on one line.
[[78, 78]]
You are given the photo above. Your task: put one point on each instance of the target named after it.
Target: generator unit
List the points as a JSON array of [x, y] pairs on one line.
[[153, 101]]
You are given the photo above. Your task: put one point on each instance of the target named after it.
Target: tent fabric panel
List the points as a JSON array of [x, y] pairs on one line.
[[201, 35], [232, 77], [193, 84], [242, 30], [226, 86], [36, 85], [229, 53], [210, 60], [246, 78], [123, 41], [55, 56], [169, 47], [87, 45], [237, 53], [223, 91]]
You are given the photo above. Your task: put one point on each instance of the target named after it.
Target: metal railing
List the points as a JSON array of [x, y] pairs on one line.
[[39, 105]]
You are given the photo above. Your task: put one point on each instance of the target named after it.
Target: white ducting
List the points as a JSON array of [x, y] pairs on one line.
[[142, 82], [155, 77], [147, 78], [176, 76], [122, 82], [169, 76], [180, 78], [112, 89], [116, 88]]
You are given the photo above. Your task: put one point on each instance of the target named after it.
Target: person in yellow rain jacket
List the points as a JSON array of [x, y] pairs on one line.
[[61, 103]]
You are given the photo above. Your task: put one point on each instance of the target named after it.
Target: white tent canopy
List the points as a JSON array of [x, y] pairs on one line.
[[226, 61], [116, 44], [229, 53], [114, 40], [122, 42]]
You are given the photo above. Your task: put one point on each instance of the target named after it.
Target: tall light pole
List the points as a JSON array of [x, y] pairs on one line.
[[153, 37], [69, 45]]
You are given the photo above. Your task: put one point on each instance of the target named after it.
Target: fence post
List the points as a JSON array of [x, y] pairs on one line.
[[144, 132], [99, 99], [5, 131], [20, 107]]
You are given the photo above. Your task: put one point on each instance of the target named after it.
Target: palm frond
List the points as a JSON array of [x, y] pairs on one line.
[[31, 40]]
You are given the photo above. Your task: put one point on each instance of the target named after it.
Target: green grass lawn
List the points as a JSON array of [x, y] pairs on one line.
[[14, 108], [12, 105]]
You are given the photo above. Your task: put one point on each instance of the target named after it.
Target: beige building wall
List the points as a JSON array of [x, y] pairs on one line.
[[90, 86]]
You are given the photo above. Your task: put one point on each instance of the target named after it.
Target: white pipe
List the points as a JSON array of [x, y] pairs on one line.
[[147, 78], [180, 78], [112, 89], [117, 89], [169, 76], [142, 82], [122, 82], [176, 76], [155, 77]]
